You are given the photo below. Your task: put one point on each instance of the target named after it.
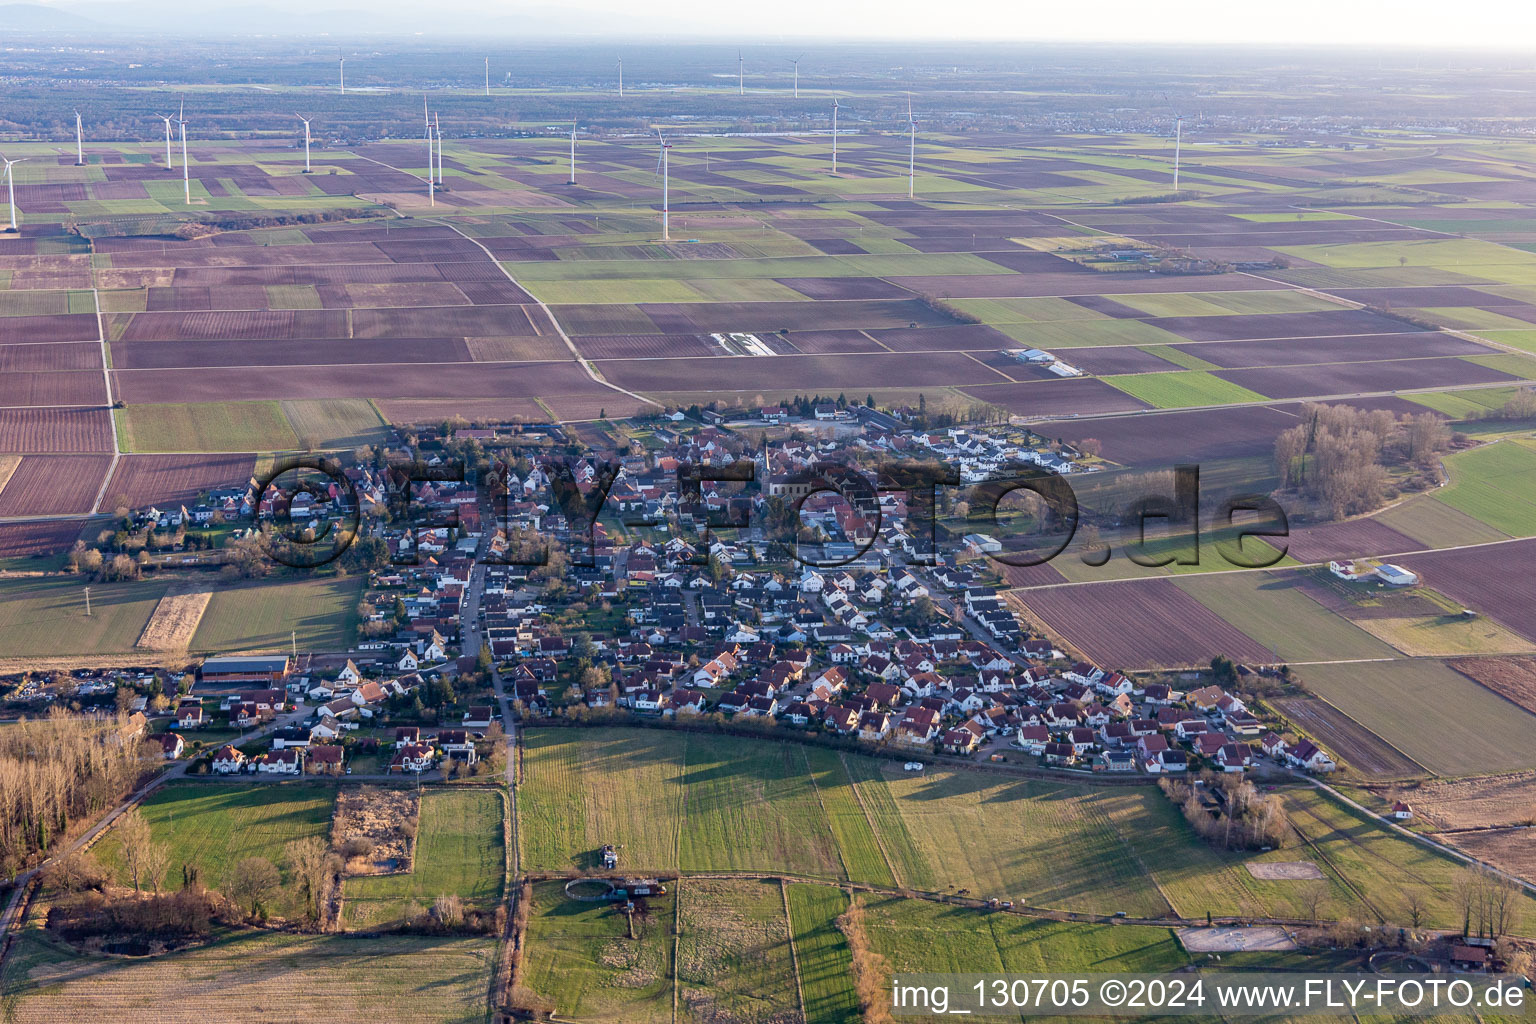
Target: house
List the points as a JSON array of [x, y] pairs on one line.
[[963, 740], [874, 726], [1234, 757], [1308, 755], [1469, 958], [171, 745], [407, 734], [457, 745], [230, 670], [413, 757], [324, 759], [1119, 761], [190, 716], [684, 701], [477, 717], [1060, 753], [1402, 812], [288, 761], [1173, 761]]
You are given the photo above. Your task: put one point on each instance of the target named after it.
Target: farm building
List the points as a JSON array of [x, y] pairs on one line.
[[230, 671]]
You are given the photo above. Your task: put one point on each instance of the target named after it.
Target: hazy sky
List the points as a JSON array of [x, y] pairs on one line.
[[1488, 24]]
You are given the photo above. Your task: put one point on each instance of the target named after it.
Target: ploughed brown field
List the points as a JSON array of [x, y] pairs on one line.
[[53, 485], [1361, 749], [1513, 677], [170, 479], [1493, 579], [1135, 624], [55, 430]]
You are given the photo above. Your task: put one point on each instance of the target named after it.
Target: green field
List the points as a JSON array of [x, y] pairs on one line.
[[206, 427], [580, 958], [1436, 524], [336, 422], [1408, 704], [44, 617], [459, 852], [1494, 484], [1131, 850], [321, 612], [1270, 608], [255, 977], [213, 827], [1225, 303], [822, 953], [1180, 389]]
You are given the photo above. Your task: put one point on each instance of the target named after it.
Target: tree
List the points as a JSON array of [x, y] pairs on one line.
[[250, 882], [1309, 899], [483, 659], [1413, 906], [311, 866], [145, 858]]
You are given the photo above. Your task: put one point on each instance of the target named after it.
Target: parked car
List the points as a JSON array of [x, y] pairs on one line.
[[913, 766]]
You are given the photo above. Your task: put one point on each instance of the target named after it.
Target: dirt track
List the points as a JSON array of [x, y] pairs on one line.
[[175, 619]]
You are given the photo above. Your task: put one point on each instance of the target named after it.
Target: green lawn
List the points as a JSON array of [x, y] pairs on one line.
[[321, 612], [1280, 300], [1180, 389], [459, 852]]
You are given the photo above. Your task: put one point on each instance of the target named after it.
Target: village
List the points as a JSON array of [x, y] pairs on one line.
[[855, 625]]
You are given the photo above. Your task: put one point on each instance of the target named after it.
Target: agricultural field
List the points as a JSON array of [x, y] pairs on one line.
[[321, 611], [822, 953], [1406, 702], [1177, 390], [42, 617], [1275, 611], [240, 978], [459, 852]]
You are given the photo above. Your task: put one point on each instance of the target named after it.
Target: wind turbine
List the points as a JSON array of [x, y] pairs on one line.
[[621, 78], [834, 136], [301, 117], [664, 166], [796, 62], [1178, 142], [186, 177], [342, 71], [167, 119], [912, 152], [573, 154], [741, 80], [10, 177], [487, 76], [79, 142]]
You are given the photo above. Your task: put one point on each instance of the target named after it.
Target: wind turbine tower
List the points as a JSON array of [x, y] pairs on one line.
[[167, 119], [621, 78], [342, 71], [573, 154], [186, 176], [665, 166], [834, 136], [911, 152], [10, 177], [741, 75], [796, 62], [1178, 142], [79, 142], [487, 76], [301, 117]]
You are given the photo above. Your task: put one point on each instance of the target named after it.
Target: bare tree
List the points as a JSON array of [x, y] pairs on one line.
[[139, 849], [1309, 899], [311, 866], [250, 882], [1413, 906]]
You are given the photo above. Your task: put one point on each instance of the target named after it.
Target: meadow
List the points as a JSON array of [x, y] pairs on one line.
[[459, 852], [40, 617], [320, 612], [206, 427], [213, 827]]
